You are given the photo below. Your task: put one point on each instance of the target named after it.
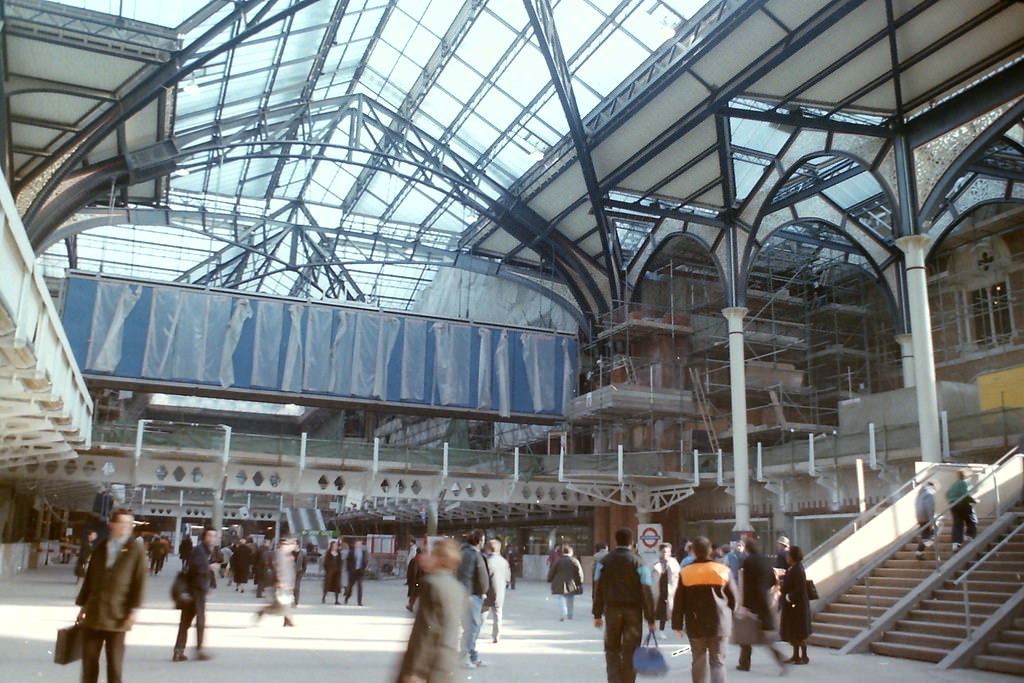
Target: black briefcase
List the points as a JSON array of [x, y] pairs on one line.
[[69, 645]]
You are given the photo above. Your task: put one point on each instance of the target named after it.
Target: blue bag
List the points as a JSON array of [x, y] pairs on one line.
[[648, 660]]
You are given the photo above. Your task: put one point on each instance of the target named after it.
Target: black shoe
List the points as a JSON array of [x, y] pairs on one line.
[[804, 660], [408, 608], [179, 656], [323, 600], [791, 660], [203, 656], [336, 601], [288, 622], [743, 668]]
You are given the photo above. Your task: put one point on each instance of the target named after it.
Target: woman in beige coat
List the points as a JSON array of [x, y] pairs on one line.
[[665, 577]]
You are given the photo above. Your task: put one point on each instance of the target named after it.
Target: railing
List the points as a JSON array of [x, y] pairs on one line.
[[936, 522], [962, 580]]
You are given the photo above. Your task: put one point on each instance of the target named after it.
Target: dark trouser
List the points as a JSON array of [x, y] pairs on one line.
[[963, 515], [298, 586], [927, 534], [197, 611], [92, 642], [747, 650], [622, 633], [356, 580]]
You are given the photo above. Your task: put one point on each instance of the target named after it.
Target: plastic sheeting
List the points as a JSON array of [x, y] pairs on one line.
[[187, 335], [113, 304], [241, 313]]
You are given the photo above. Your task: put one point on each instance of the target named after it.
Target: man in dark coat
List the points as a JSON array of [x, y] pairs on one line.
[[355, 563], [115, 582], [795, 605], [185, 550], [199, 576], [263, 575], [623, 599], [477, 581], [757, 579], [299, 557], [88, 543], [432, 654]]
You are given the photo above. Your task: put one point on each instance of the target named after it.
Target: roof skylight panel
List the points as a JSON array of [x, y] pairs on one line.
[[485, 43], [575, 22], [606, 68]]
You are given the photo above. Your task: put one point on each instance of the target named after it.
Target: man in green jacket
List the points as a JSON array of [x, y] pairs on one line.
[[113, 588], [963, 511]]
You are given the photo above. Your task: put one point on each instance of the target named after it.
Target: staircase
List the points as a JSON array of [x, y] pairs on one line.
[[938, 623], [1006, 653], [847, 616]]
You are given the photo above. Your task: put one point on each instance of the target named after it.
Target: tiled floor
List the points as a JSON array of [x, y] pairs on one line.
[[363, 644]]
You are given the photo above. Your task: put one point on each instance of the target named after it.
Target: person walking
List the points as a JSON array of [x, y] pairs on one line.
[[263, 575], [782, 553], [227, 553], [924, 508], [432, 654], [199, 576], [356, 565], [962, 506], [241, 565], [474, 578], [115, 582], [758, 579], [82, 563], [566, 578], [332, 573], [795, 605], [500, 574], [299, 561], [515, 563], [284, 581], [622, 602], [664, 580], [413, 577], [158, 550], [735, 559], [185, 550], [704, 603]]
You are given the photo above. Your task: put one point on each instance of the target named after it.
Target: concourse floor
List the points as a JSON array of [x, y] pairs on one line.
[[363, 644]]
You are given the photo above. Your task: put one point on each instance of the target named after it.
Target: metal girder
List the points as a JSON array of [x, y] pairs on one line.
[[644, 498], [544, 29], [799, 117], [38, 192]]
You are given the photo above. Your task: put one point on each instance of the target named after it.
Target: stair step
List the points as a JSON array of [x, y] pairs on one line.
[[1004, 588], [935, 616], [913, 563], [1012, 636], [951, 630], [1018, 623], [855, 610], [924, 654], [957, 606], [984, 576], [840, 630], [858, 620], [1004, 649], [928, 640], [876, 599], [1006, 665], [906, 583], [975, 597], [878, 591], [825, 640], [918, 573]]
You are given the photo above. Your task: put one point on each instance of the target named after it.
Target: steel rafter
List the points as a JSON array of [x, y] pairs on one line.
[[69, 158], [547, 37], [799, 117]]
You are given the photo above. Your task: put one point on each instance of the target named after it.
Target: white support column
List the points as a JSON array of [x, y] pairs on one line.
[[914, 247], [906, 342], [738, 384]]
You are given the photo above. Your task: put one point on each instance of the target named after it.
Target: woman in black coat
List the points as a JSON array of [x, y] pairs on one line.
[[332, 572], [795, 606]]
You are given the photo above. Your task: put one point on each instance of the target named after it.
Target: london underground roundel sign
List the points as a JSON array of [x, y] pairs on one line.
[[650, 536]]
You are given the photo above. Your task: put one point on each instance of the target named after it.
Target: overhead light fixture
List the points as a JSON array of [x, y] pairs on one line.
[[537, 154], [191, 88], [179, 172]]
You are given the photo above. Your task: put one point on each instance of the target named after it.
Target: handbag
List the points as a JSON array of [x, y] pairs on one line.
[[812, 590], [68, 647], [648, 660], [180, 593], [746, 628]]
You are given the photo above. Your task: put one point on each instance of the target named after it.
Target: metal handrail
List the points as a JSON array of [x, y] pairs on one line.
[[872, 512], [962, 579], [936, 521]]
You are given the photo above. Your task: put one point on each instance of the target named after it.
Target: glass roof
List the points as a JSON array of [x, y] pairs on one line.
[[379, 129]]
